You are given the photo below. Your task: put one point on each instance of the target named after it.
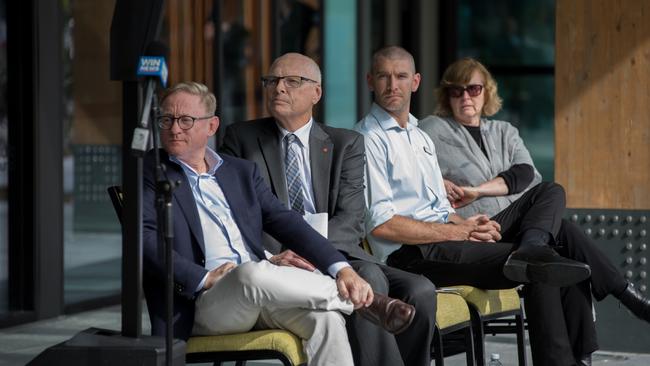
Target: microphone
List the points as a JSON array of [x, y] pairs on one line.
[[153, 69]]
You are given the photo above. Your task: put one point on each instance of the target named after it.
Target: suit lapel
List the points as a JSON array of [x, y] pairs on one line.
[[234, 196], [185, 200], [320, 152], [272, 151]]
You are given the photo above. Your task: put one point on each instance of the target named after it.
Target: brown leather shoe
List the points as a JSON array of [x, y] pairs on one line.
[[391, 314]]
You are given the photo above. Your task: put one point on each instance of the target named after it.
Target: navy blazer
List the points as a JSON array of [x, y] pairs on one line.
[[254, 208]]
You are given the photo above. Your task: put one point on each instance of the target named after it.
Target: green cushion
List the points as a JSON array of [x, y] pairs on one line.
[[277, 340], [489, 302], [451, 310]]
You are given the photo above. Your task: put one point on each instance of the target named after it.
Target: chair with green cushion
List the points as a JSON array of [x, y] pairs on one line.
[[487, 306], [452, 315], [255, 345]]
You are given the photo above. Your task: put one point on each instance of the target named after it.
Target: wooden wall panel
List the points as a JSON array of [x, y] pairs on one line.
[[602, 103], [191, 53], [97, 100], [185, 22]]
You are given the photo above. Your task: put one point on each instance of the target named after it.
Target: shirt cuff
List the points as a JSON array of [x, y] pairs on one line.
[[200, 286], [334, 268], [268, 255], [377, 217]]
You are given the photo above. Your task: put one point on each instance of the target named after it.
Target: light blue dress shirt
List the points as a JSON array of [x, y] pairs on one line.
[[222, 238], [402, 176], [221, 235], [302, 140]]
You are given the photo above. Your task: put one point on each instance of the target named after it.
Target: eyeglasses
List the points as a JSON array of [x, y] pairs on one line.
[[457, 91], [290, 81], [184, 122]]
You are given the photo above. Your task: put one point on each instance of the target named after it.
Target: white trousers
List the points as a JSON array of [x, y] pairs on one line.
[[262, 295]]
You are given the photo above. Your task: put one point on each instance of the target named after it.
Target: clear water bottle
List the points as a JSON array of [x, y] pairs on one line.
[[494, 360]]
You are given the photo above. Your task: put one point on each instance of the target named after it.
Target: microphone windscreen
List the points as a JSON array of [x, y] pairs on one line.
[[157, 48]]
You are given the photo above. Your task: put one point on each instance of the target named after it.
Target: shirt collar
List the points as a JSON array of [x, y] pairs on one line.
[[302, 133], [213, 160], [387, 122]]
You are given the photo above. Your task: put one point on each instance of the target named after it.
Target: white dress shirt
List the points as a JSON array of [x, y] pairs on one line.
[[402, 176], [302, 142], [302, 138]]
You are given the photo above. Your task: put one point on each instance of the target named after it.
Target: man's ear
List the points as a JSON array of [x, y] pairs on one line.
[[416, 82], [214, 125], [318, 93], [369, 81]]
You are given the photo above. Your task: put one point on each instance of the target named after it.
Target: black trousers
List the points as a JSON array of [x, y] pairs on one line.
[[371, 345], [560, 321]]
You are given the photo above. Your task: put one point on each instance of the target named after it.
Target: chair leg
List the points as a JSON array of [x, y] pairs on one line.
[[469, 346], [479, 337], [521, 339], [437, 342]]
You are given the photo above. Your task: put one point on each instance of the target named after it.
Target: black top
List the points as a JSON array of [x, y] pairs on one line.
[[475, 131], [518, 177]]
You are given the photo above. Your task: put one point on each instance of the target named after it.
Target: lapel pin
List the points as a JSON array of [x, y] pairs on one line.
[[325, 150]]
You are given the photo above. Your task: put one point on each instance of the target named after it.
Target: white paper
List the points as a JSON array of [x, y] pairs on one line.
[[318, 222]]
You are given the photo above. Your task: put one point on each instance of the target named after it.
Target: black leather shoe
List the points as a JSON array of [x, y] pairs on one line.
[[541, 264], [391, 314], [635, 302], [585, 360]]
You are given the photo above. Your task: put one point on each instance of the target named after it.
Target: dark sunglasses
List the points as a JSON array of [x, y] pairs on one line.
[[457, 91]]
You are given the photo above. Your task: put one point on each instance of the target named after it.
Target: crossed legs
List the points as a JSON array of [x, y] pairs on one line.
[[262, 295]]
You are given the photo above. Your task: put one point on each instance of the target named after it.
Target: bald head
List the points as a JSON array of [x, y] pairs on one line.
[[392, 53], [303, 66], [291, 104]]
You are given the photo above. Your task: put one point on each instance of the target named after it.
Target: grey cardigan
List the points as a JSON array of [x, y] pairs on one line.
[[462, 161]]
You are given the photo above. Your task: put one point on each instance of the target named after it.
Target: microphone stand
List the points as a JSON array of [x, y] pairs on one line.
[[164, 210]]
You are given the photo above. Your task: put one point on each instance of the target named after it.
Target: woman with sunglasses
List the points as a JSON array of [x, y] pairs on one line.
[[486, 167], [484, 162]]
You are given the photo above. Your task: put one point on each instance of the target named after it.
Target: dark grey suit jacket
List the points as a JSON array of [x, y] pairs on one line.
[[337, 158]]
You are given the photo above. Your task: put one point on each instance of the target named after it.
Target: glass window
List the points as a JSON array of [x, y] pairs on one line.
[[4, 250], [241, 39], [515, 40], [91, 155], [512, 32], [236, 52], [340, 82], [299, 26], [528, 105]]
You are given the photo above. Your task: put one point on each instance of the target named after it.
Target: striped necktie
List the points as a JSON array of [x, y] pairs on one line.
[[294, 183]]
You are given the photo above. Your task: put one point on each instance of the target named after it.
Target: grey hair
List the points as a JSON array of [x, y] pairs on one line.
[[192, 87]]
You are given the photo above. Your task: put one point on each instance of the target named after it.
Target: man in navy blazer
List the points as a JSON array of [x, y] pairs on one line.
[[334, 160], [223, 284]]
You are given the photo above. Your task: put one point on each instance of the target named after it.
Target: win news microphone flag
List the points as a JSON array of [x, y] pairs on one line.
[[153, 69]]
